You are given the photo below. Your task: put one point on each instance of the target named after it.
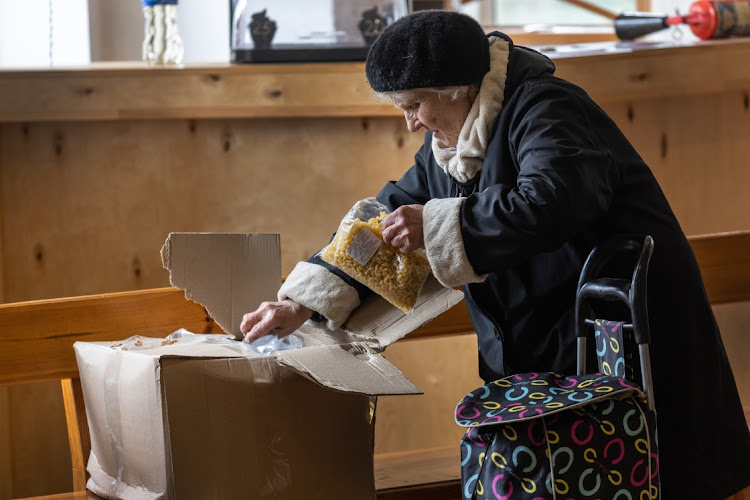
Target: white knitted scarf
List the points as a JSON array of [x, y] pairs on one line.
[[465, 160]]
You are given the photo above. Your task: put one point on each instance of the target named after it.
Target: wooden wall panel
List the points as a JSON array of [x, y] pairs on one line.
[[446, 369], [104, 196], [697, 149]]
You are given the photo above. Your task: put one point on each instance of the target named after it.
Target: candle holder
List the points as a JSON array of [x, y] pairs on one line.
[[372, 25], [262, 29]]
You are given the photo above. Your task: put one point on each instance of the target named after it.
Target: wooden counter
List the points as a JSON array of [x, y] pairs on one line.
[[122, 91]]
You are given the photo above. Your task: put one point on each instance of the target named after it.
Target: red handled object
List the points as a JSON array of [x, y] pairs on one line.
[[706, 18]]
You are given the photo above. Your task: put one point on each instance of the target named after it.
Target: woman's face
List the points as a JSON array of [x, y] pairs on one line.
[[436, 114]]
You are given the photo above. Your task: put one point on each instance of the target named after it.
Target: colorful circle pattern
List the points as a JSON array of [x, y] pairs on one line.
[[541, 436]]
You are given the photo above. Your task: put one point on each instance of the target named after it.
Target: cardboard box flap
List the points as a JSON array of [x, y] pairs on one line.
[[199, 347], [378, 320], [349, 368], [194, 346], [313, 334], [229, 274]]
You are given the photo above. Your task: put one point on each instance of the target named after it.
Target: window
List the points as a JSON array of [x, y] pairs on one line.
[[531, 22], [559, 21], [541, 14]]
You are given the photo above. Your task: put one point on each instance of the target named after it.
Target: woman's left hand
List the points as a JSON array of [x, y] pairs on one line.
[[403, 228]]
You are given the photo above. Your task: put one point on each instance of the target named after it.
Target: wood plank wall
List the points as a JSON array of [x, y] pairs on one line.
[[86, 206]]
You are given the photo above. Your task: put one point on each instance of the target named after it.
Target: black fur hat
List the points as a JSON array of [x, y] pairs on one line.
[[433, 48]]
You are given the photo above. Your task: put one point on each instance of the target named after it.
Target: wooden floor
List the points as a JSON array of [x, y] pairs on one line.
[[433, 474], [444, 492], [436, 470]]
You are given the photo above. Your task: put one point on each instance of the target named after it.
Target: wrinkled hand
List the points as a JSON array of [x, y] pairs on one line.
[[403, 228], [279, 318]]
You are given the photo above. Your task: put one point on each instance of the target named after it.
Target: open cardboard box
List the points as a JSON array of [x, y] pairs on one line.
[[207, 417]]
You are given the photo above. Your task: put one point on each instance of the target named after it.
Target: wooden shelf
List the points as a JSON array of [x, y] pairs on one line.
[[137, 91], [126, 91]]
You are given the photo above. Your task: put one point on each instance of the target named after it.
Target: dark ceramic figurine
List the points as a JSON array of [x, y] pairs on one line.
[[372, 25], [262, 29]]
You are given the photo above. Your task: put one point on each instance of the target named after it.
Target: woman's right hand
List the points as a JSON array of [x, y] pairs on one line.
[[403, 228], [279, 318]]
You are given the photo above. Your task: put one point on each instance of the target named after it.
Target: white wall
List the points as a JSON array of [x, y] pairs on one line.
[[204, 27], [44, 32]]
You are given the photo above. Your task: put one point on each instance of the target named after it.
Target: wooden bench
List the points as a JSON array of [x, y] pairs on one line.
[[36, 342]]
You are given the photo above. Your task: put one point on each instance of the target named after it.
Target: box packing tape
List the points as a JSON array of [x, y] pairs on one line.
[[112, 412]]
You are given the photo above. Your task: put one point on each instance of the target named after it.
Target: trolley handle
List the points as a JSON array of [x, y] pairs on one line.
[[631, 292]]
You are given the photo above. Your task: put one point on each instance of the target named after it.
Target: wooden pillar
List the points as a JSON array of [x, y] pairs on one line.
[[5, 462], [2, 227], [5, 451]]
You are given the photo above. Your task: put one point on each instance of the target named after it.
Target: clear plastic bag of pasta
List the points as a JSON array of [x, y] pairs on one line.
[[358, 249]]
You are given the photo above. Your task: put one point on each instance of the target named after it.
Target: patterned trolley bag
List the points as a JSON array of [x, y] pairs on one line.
[[591, 436]]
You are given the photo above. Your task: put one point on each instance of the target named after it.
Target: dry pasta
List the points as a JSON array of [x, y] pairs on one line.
[[396, 277]]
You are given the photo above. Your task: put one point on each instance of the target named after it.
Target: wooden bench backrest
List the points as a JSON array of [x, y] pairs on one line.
[[36, 343], [36, 338]]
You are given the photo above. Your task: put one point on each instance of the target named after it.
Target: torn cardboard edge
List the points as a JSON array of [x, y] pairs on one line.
[[232, 273], [229, 274]]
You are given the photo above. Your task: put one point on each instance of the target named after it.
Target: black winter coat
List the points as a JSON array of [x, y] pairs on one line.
[[558, 178]]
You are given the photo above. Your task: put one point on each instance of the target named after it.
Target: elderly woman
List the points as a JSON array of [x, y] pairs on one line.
[[520, 175]]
